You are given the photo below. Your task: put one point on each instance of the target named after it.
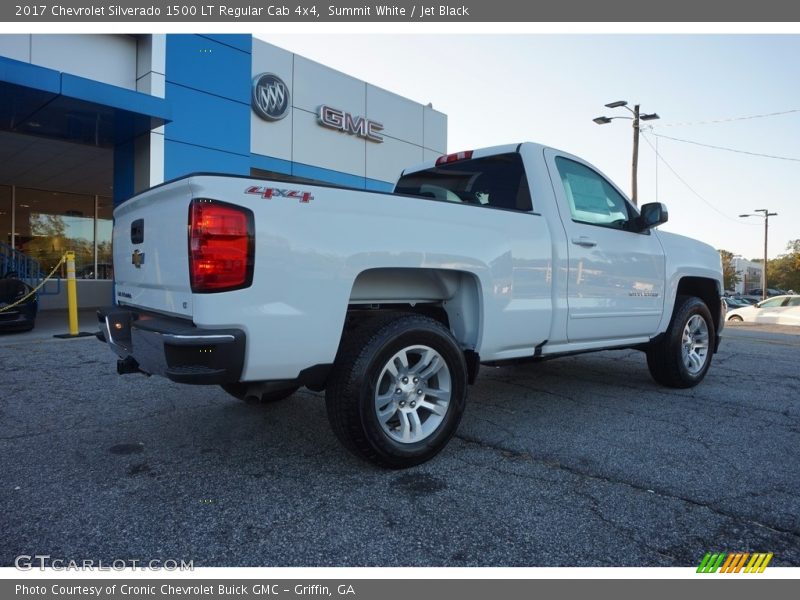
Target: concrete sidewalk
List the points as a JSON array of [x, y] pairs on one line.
[[50, 323]]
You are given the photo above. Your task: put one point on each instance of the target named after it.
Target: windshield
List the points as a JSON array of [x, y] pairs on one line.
[[495, 181]]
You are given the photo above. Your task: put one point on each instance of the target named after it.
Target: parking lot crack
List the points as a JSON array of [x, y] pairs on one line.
[[626, 532], [710, 506]]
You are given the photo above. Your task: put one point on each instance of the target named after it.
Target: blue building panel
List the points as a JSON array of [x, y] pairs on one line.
[[269, 163], [181, 159], [328, 175], [210, 121], [204, 64], [123, 172], [89, 90], [286, 167], [29, 76], [208, 83], [375, 185], [240, 41]]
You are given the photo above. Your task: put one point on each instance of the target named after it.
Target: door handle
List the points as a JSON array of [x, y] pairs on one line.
[[584, 241]]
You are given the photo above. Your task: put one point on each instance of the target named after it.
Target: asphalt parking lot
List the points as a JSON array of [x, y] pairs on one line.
[[582, 461]]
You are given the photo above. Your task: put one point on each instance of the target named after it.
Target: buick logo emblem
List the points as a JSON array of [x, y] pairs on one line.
[[270, 97]]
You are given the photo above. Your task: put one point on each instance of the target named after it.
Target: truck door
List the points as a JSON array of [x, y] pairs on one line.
[[616, 274]]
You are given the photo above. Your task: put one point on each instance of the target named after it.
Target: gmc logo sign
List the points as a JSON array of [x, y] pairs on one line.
[[344, 121]]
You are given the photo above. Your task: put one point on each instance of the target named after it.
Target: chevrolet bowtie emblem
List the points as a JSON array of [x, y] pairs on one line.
[[137, 259]]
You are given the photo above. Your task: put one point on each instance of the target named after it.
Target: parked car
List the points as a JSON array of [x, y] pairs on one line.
[[21, 317], [737, 302], [780, 310], [770, 292]]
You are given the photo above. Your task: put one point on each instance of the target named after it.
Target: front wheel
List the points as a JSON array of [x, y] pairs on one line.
[[735, 318], [397, 390], [682, 357]]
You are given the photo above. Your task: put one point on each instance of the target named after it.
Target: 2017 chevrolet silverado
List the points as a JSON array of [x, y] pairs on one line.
[[390, 301]]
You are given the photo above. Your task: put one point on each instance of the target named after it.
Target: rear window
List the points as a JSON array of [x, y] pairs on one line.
[[497, 181]]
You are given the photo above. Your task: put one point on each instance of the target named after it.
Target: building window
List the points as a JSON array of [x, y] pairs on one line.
[[103, 226], [46, 224], [5, 215]]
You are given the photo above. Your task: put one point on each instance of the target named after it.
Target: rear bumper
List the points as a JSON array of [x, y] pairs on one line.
[[171, 347]]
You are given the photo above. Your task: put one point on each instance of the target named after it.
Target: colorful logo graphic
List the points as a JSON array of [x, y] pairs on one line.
[[734, 562]]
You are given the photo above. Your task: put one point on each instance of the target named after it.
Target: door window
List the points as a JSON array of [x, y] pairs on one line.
[[771, 303], [591, 198]]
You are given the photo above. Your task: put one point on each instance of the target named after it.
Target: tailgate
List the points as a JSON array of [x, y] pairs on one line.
[[151, 250]]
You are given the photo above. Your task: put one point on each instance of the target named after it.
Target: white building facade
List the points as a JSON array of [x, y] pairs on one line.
[[749, 274]]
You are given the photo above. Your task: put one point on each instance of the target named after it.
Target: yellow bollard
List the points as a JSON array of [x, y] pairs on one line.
[[72, 295]]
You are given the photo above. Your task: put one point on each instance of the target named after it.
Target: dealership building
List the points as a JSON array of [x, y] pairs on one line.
[[86, 121]]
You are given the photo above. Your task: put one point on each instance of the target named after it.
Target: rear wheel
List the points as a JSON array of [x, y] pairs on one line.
[[397, 390], [239, 391], [736, 318], [682, 358]]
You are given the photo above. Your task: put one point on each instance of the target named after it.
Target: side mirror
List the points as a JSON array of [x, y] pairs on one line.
[[652, 215]]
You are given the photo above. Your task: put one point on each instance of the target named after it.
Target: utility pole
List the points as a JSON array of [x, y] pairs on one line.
[[635, 161], [765, 214], [637, 117]]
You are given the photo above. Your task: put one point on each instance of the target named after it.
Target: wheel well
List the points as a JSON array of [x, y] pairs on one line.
[[706, 290], [451, 297], [360, 312]]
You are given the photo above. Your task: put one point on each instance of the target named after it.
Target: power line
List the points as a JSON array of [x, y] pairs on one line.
[[674, 139], [731, 119], [689, 187]]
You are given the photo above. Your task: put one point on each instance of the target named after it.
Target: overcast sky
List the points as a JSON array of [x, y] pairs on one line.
[[497, 89]]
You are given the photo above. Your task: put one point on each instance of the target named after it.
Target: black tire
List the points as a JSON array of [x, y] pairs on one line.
[[736, 318], [665, 359], [239, 391], [355, 381]]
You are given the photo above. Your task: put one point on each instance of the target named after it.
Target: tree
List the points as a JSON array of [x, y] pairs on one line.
[[784, 272], [729, 275]]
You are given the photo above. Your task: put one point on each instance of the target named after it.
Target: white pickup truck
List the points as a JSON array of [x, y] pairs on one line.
[[390, 301]]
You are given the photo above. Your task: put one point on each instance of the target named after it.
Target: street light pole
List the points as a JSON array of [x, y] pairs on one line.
[[636, 118], [765, 214]]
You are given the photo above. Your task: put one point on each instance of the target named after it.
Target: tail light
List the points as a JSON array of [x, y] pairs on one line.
[[221, 246], [451, 158]]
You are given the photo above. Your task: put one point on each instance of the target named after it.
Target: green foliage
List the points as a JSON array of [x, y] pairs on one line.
[[729, 276], [784, 272]]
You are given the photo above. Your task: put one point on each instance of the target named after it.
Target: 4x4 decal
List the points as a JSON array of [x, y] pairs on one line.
[[269, 193]]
